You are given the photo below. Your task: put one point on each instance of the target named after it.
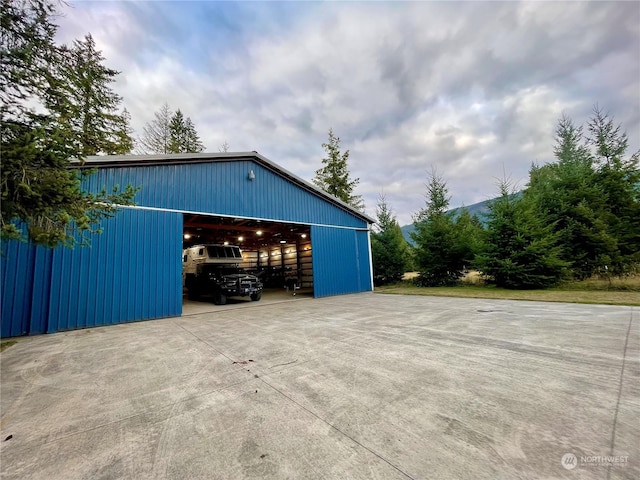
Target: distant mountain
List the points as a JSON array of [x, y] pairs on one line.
[[478, 209]]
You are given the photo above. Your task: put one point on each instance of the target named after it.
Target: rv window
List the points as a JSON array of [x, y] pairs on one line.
[[184, 259], [215, 251], [201, 252]]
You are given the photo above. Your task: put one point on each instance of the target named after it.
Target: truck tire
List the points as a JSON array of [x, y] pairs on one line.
[[256, 296], [193, 294], [219, 298]]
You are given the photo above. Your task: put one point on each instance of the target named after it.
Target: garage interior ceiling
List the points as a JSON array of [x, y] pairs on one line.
[[247, 233]]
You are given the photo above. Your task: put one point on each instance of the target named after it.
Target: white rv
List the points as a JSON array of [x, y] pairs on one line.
[[215, 254]]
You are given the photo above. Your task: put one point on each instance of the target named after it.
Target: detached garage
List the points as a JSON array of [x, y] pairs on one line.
[[286, 227]]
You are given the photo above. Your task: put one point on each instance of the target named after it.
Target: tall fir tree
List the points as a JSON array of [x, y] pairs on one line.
[[193, 143], [42, 199], [90, 108], [177, 133], [567, 195], [389, 249], [590, 197], [124, 134], [469, 235], [334, 177], [618, 177], [438, 244]]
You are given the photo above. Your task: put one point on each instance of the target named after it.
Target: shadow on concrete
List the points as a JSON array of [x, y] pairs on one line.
[[269, 296]]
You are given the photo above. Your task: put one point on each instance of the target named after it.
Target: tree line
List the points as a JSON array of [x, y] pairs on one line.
[[578, 216], [169, 132]]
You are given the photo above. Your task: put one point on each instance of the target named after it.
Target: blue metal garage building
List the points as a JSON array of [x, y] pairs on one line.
[[133, 270]]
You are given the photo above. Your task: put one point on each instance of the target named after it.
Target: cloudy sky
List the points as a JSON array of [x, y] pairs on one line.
[[472, 89]]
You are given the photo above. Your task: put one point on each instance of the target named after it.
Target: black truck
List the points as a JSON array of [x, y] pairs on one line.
[[214, 271]]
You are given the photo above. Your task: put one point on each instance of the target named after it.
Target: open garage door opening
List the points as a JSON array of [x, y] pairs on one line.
[[278, 254]]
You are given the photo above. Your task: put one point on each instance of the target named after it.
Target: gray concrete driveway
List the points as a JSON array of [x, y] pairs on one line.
[[362, 386]]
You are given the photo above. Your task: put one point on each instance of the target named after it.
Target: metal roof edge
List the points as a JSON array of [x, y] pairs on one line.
[[310, 186], [157, 159], [98, 161]]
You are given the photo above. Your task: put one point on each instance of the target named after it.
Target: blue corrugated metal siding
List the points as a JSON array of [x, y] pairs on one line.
[[17, 287], [132, 271], [42, 268], [340, 264], [223, 188], [364, 260]]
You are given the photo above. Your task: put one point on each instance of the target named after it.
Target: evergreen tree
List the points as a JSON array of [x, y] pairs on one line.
[[390, 250], [590, 197], [438, 242], [619, 179], [89, 108], [334, 177], [40, 194], [469, 233], [520, 249], [568, 195], [124, 134], [177, 133], [193, 143], [29, 55]]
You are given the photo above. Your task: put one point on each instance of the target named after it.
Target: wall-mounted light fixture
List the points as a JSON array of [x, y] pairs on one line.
[[187, 236], [240, 238], [283, 241], [252, 176], [259, 232], [304, 235]]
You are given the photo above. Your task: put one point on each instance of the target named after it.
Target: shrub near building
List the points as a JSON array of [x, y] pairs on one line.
[[391, 253], [445, 242]]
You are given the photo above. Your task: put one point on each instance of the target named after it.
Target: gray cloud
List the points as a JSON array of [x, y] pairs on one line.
[[474, 89]]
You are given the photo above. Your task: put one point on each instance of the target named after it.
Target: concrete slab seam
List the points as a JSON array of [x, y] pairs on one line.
[[206, 343], [129, 417], [373, 452], [620, 382], [380, 457]]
